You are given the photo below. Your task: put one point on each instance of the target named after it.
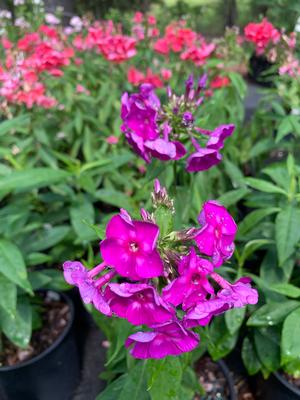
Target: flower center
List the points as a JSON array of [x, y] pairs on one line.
[[196, 279], [133, 247]]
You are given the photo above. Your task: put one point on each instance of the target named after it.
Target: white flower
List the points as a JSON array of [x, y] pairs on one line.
[[76, 23], [5, 14], [51, 19]]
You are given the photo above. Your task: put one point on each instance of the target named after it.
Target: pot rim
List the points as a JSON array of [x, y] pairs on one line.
[[56, 342], [229, 379], [286, 383]]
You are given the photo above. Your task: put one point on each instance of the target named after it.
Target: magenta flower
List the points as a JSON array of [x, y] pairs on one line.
[[203, 159], [90, 290], [170, 339], [192, 286], [140, 304], [217, 234], [129, 247], [217, 136], [139, 117], [230, 296], [238, 294]]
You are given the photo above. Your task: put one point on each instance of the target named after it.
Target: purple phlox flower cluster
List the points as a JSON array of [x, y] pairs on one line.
[[166, 132], [165, 284]]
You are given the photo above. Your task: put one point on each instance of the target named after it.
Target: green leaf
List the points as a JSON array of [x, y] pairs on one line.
[[14, 124], [251, 247], [47, 238], [164, 378], [249, 357], [290, 343], [287, 232], [37, 259], [31, 179], [12, 264], [286, 289], [113, 390], [235, 174], [8, 295], [233, 196], [253, 218], [83, 214], [220, 340], [267, 348], [18, 328], [38, 280], [264, 186], [234, 318], [272, 313], [115, 198], [279, 174]]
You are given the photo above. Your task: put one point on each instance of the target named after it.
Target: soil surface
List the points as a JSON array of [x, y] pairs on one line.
[[212, 379], [55, 315]]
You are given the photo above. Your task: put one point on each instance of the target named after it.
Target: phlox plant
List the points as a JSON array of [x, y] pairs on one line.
[[163, 282]]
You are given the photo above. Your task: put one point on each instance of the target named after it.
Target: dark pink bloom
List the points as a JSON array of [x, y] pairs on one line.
[[217, 234], [161, 46], [130, 247], [203, 159], [140, 304], [192, 286], [169, 339], [218, 135], [90, 290]]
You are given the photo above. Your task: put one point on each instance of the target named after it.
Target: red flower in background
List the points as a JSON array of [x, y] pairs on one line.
[[262, 34], [219, 82]]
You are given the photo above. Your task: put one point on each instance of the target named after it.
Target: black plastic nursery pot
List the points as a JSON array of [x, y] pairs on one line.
[[53, 374], [276, 388], [229, 380], [258, 71]]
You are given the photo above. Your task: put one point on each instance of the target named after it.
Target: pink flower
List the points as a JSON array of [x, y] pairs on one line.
[[134, 76], [161, 46], [166, 74], [217, 234], [140, 304], [90, 290], [51, 19], [130, 247], [169, 339], [230, 296], [138, 17], [117, 48], [262, 34], [218, 135], [219, 82], [192, 285], [203, 159], [112, 139], [82, 89], [151, 20], [198, 55]]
